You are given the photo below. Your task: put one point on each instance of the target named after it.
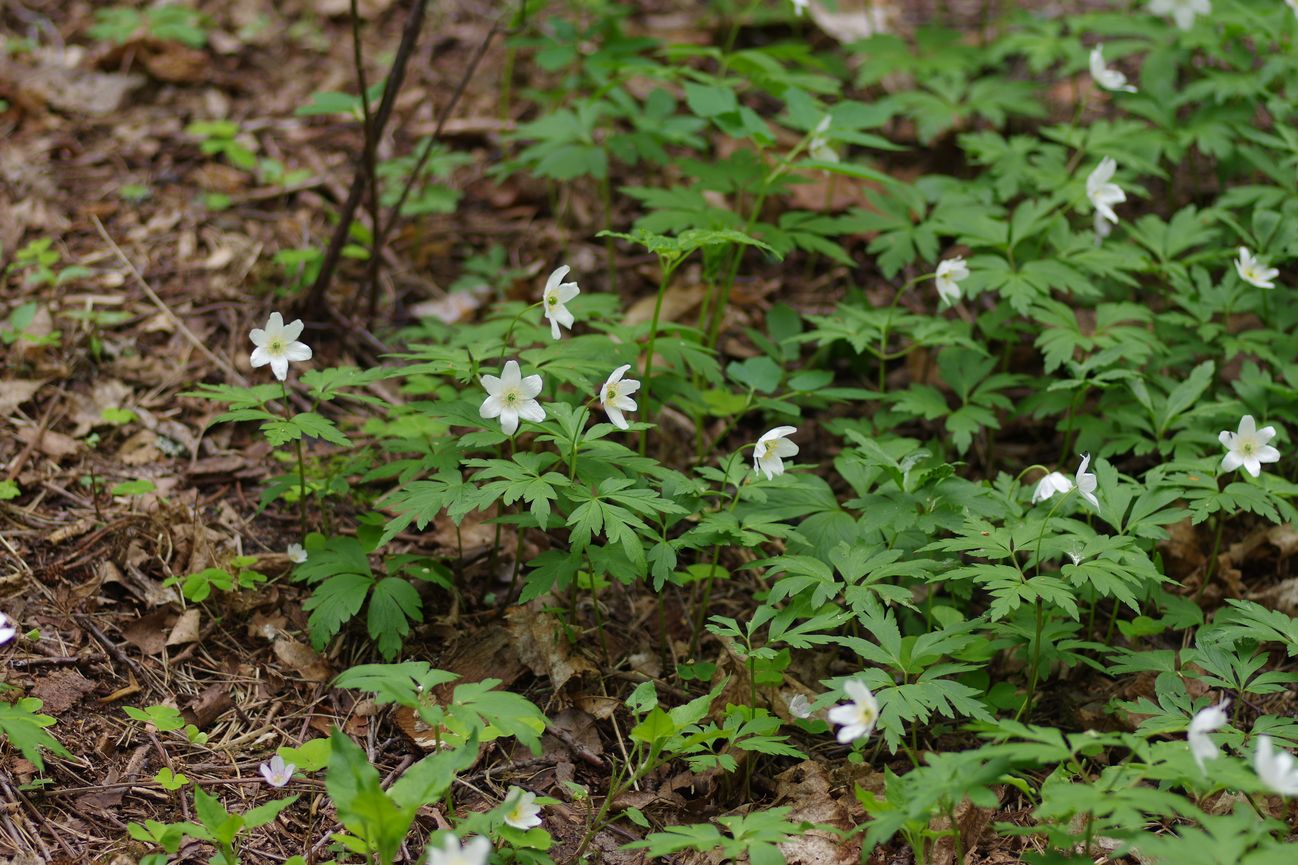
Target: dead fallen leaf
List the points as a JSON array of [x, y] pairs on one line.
[[15, 392], [187, 628], [368, 9], [53, 444], [148, 633], [818, 798], [67, 88], [177, 63], [677, 301], [211, 704], [971, 822], [300, 658], [538, 638]]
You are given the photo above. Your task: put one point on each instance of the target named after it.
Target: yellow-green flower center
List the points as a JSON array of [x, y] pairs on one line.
[[552, 300], [275, 345]]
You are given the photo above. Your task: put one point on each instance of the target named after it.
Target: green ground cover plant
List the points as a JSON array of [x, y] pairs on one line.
[[985, 512]]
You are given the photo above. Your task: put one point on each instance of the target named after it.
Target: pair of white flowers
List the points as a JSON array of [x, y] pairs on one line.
[[1276, 768], [512, 397], [856, 718], [522, 813], [1058, 482], [277, 344]]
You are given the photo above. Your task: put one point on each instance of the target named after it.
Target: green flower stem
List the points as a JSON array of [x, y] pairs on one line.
[[1212, 559], [509, 334], [702, 611], [1035, 673], [646, 377], [883, 337], [301, 463]]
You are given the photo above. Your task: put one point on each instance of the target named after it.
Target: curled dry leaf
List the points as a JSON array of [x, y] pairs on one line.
[[539, 640]]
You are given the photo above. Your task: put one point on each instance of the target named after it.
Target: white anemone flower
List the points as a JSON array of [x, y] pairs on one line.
[[296, 554], [1205, 721], [7, 629], [615, 396], [947, 279], [1109, 79], [1055, 482], [800, 706], [511, 397], [523, 812], [276, 344], [858, 717], [1183, 12], [1247, 448], [1102, 193], [474, 852], [1293, 6], [1276, 769], [771, 449], [818, 147], [276, 772], [554, 299], [1251, 269], [1086, 482]]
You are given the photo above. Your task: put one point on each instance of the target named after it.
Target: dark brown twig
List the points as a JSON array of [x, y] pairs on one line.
[[370, 163], [381, 236], [314, 305]]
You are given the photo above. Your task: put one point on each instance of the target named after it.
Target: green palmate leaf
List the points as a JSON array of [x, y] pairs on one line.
[[25, 729], [393, 605], [367, 812]]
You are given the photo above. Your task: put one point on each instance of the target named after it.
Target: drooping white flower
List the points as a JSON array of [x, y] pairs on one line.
[[1086, 482], [474, 852], [523, 812], [276, 772], [277, 345], [1109, 79], [1275, 768], [800, 6], [1247, 447], [1102, 228], [7, 629], [296, 554], [800, 706], [949, 274], [615, 396], [1251, 269], [557, 293], [1183, 12], [511, 397], [858, 717], [1101, 192], [1055, 482], [1205, 721], [771, 449], [818, 147]]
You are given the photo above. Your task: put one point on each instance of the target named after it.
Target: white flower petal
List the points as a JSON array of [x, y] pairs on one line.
[[531, 386], [297, 351]]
